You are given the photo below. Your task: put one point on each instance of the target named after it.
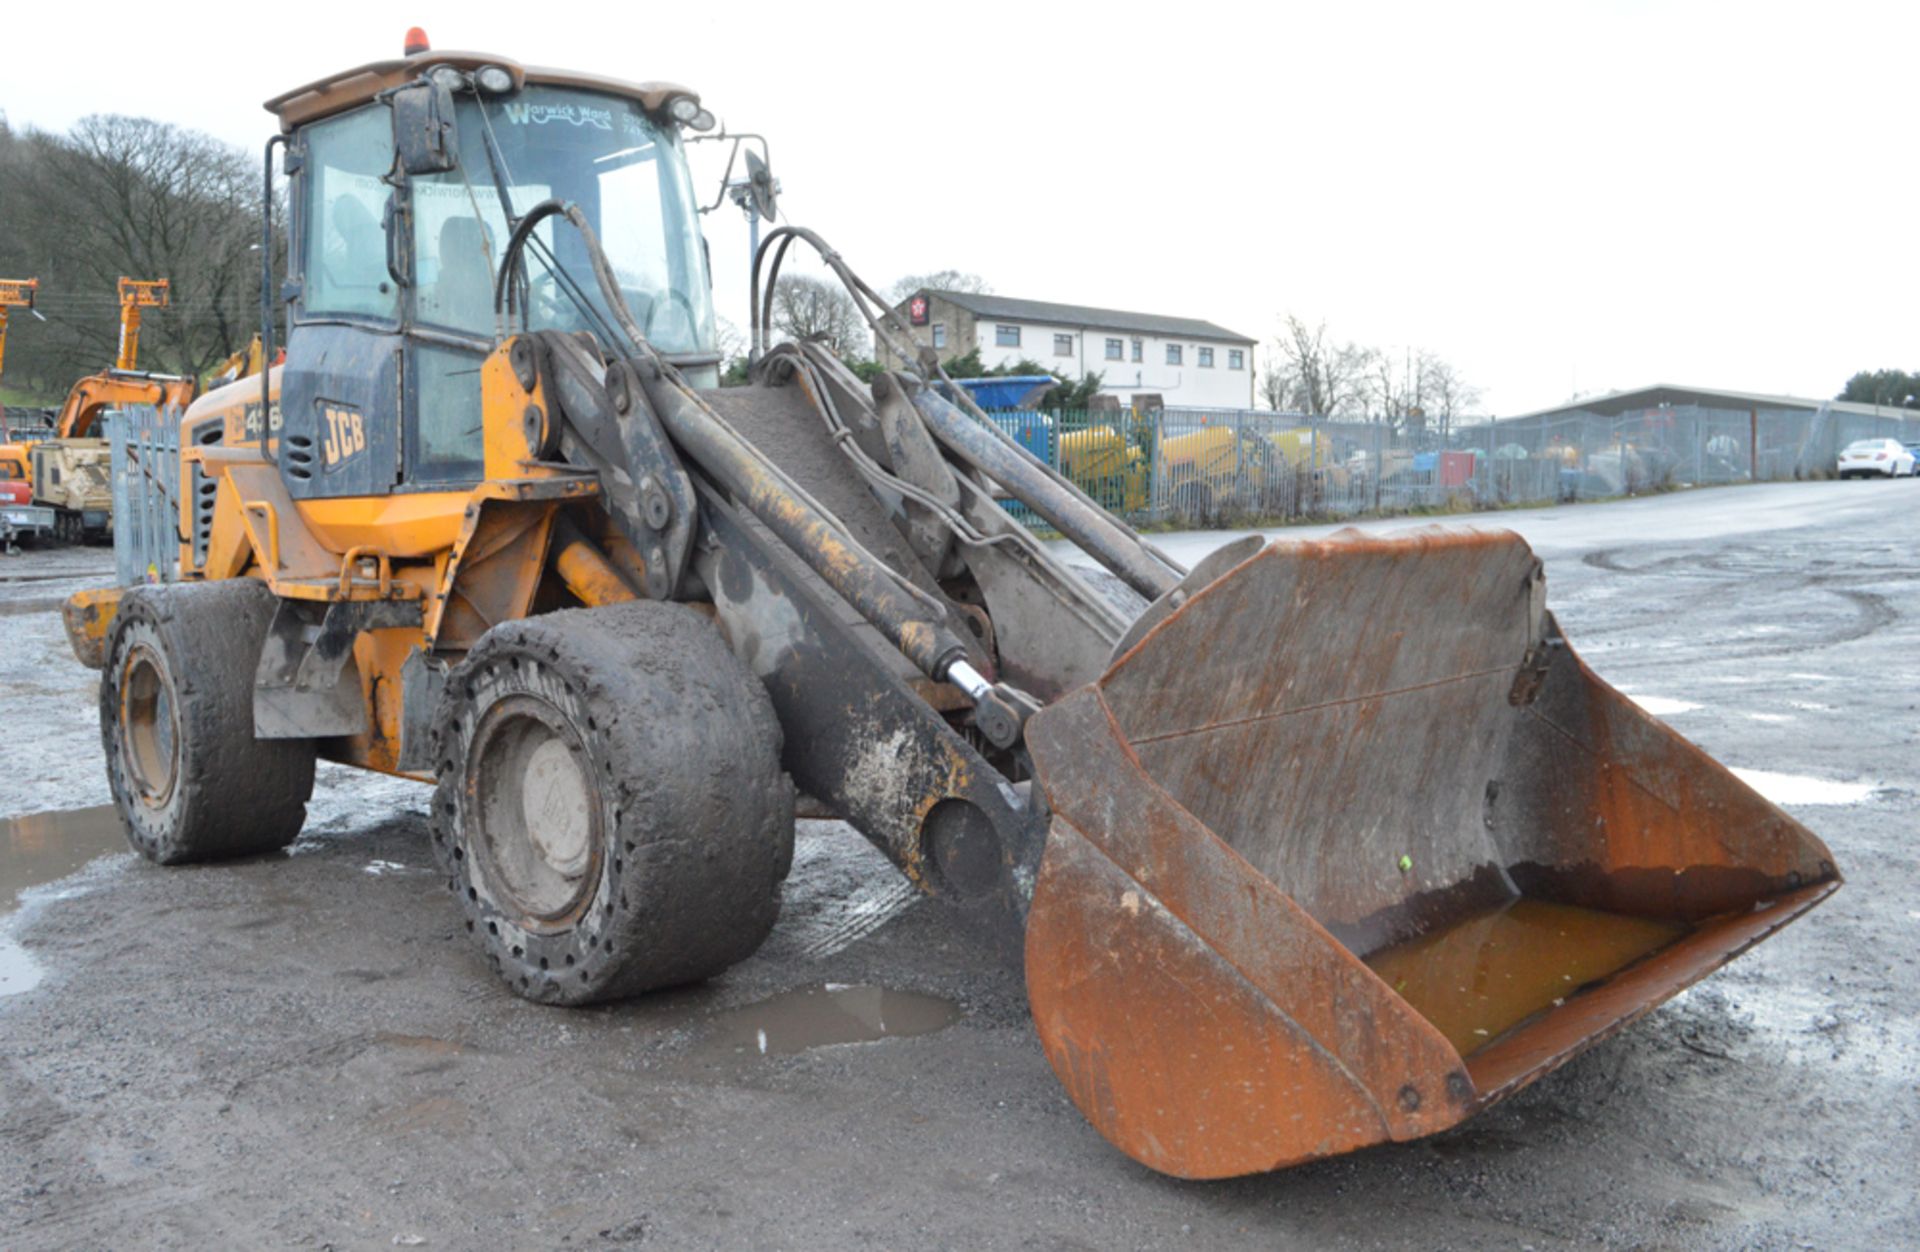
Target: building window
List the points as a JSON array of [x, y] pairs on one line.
[[1206, 358], [1173, 354], [1006, 336], [1063, 345], [939, 334], [1236, 359], [1139, 351], [1114, 348]]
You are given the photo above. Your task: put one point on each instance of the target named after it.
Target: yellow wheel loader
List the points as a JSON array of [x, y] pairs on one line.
[[1312, 846]]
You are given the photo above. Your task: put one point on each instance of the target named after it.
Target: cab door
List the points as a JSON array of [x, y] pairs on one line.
[[342, 392]]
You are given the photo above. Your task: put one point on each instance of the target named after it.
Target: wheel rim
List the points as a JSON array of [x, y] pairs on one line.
[[535, 823], [149, 726]]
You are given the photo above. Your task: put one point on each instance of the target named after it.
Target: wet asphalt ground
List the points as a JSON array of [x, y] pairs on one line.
[[302, 1050]]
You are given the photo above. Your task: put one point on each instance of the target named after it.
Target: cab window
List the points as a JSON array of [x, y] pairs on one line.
[[446, 439], [344, 252]]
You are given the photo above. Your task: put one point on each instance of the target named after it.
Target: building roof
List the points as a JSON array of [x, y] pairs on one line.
[[1616, 402], [1084, 317]]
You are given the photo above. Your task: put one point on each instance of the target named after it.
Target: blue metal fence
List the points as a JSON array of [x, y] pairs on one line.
[[145, 444]]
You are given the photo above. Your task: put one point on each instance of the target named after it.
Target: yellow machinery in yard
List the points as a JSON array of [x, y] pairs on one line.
[[1205, 474], [136, 296], [15, 293], [1252, 825], [69, 471], [125, 383]]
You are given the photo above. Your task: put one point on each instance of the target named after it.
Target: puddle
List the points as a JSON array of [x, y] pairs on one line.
[[39, 848], [1477, 979], [822, 1017], [18, 971], [1802, 789], [1661, 706]]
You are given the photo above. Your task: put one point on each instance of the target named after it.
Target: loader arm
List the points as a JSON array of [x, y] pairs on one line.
[[925, 761]]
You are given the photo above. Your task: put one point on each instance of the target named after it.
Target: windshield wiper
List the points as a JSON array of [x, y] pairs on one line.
[[497, 167]]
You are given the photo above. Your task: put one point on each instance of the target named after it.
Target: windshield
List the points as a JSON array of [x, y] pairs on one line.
[[628, 175], [1862, 447]]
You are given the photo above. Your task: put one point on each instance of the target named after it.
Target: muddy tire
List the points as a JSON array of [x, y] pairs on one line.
[[176, 721], [611, 813]]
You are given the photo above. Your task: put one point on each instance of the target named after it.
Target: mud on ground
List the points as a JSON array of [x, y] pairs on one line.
[[303, 1050]]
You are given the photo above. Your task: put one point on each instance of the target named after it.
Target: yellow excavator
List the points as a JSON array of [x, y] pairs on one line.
[[1311, 846]]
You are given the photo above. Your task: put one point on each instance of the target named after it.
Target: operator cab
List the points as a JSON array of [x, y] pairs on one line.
[[407, 179]]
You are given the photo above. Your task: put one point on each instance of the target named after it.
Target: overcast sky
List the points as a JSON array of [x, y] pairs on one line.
[[1559, 198]]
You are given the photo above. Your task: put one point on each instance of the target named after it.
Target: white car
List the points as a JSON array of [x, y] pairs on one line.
[[1875, 456]]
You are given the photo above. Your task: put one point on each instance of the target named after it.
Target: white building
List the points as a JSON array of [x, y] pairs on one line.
[[1186, 362]]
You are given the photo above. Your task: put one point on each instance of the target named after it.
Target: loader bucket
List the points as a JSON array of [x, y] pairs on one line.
[[1352, 845]]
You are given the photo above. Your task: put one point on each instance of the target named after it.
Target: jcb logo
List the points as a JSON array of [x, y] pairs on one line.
[[346, 436]]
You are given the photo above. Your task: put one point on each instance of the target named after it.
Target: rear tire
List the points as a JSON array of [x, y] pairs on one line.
[[176, 721], [611, 813]]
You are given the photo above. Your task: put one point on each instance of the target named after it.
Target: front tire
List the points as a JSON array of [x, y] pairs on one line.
[[176, 721], [611, 813]]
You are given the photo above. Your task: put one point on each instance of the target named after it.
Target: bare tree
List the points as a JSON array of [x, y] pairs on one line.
[[132, 196], [938, 280], [1403, 387], [1279, 385], [1446, 393], [805, 307], [1328, 377], [729, 341]]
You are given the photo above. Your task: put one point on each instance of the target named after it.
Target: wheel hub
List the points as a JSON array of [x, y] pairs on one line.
[[150, 727], [536, 812], [555, 803]]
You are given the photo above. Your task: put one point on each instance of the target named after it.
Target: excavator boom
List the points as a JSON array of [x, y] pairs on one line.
[[136, 296]]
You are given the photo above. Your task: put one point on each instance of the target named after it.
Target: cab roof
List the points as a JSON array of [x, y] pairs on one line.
[[340, 92]]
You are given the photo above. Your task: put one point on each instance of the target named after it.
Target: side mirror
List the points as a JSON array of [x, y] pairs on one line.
[[762, 187], [423, 129]]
